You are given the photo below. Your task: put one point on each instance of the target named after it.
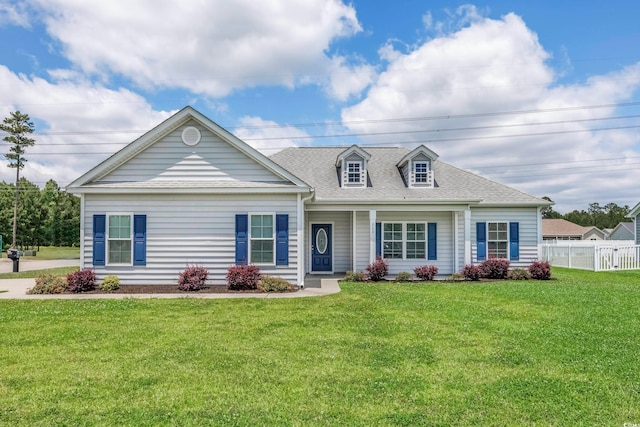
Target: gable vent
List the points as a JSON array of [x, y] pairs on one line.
[[191, 135]]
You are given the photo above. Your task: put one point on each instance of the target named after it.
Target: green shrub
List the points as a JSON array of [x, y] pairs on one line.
[[274, 284], [355, 276], [48, 284], [519, 274], [404, 276], [455, 277], [110, 283]]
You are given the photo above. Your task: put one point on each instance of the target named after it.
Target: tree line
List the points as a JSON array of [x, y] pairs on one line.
[[46, 217], [607, 216]]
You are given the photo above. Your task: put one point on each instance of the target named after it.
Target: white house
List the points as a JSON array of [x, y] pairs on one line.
[[189, 192]]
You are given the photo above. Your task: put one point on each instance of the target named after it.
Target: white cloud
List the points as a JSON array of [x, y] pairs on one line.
[[211, 47], [499, 66], [13, 13], [268, 136], [77, 124]]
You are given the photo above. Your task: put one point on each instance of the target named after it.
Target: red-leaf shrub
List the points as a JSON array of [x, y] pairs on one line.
[[192, 278], [378, 269], [426, 272], [243, 277], [81, 281], [540, 270], [495, 268], [472, 272]]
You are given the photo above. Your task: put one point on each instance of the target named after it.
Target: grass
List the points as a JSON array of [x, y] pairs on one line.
[[56, 252], [58, 271], [561, 352]]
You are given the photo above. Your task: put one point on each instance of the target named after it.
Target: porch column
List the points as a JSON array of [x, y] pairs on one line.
[[354, 233], [300, 240], [82, 231], [372, 236], [467, 236], [456, 238]]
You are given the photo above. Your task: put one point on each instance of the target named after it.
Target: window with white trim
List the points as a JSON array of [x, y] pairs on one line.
[[354, 172], [497, 239], [421, 172], [261, 239], [119, 238], [392, 244], [416, 240], [404, 240]]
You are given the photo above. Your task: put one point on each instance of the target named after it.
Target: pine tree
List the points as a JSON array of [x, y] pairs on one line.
[[18, 127]]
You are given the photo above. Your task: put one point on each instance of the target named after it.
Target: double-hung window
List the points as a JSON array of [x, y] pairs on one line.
[[497, 239], [416, 238], [119, 239], [421, 172], [392, 243], [354, 172], [262, 241]]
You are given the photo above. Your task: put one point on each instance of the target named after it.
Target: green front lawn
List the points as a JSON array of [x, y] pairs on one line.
[[56, 252], [562, 352]]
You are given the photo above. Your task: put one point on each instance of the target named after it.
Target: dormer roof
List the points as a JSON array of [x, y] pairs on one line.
[[349, 151], [421, 149]]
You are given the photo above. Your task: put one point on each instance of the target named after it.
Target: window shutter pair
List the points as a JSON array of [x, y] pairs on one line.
[[432, 240], [514, 241], [100, 240], [282, 239]]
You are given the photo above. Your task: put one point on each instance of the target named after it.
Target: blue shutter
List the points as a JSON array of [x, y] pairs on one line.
[[378, 239], [432, 241], [242, 244], [514, 241], [99, 228], [139, 240], [282, 239], [481, 240]]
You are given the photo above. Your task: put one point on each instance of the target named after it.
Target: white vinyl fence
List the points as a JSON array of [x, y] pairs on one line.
[[594, 257]]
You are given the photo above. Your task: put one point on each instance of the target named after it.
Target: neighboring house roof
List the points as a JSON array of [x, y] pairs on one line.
[[316, 166], [622, 231], [564, 228], [99, 178]]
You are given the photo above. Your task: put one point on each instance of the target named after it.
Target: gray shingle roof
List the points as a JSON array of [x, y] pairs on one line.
[[316, 166]]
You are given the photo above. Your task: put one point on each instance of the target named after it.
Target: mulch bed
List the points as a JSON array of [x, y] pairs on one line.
[[173, 289]]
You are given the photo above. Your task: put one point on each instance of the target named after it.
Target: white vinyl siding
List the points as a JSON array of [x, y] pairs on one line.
[[170, 160], [187, 230], [527, 218]]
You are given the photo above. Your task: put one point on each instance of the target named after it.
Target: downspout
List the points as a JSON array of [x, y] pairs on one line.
[[301, 248]]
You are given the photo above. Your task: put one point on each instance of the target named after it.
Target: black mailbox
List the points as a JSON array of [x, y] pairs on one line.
[[13, 254]]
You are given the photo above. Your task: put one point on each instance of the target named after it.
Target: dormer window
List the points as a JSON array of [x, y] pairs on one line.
[[416, 168], [354, 172], [421, 173], [352, 167]]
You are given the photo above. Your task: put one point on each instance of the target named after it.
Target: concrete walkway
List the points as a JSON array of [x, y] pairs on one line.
[[17, 289], [30, 264]]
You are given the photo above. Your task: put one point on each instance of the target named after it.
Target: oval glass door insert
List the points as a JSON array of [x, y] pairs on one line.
[[321, 241]]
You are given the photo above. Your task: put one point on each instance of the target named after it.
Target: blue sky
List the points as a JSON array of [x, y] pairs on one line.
[[542, 96]]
